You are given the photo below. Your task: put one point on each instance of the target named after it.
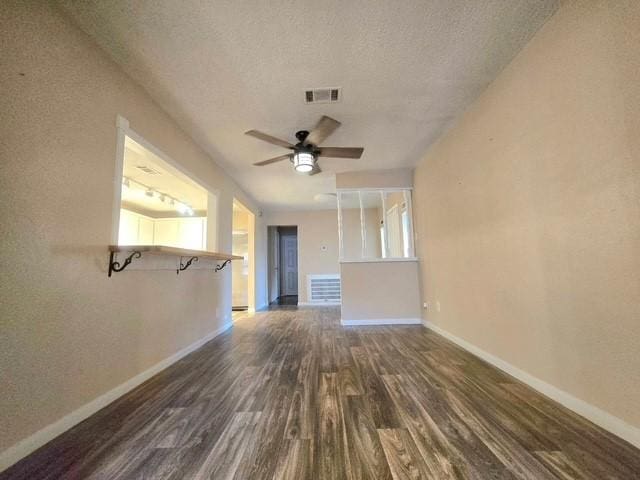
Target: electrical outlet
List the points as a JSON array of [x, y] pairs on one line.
[[438, 305], [425, 305]]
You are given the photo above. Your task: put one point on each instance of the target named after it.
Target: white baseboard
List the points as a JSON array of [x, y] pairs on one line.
[[30, 444], [256, 309], [596, 415], [319, 304], [382, 321]]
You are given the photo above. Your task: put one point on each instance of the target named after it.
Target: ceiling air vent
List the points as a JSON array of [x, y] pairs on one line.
[[147, 170], [322, 95]]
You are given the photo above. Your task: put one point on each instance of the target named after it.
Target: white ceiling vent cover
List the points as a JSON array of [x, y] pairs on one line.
[[323, 95], [324, 289]]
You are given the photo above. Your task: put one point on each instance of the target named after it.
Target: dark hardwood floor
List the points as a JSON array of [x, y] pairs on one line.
[[285, 300], [291, 394]]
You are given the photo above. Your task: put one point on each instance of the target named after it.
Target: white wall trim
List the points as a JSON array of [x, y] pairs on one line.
[[30, 444], [122, 126], [257, 309], [382, 321], [319, 304], [596, 415], [373, 189], [379, 260]]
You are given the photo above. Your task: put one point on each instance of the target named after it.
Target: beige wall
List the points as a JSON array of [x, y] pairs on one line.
[[380, 291], [316, 229], [528, 210], [367, 293], [373, 245], [240, 220], [391, 178], [352, 233], [239, 272], [68, 332]]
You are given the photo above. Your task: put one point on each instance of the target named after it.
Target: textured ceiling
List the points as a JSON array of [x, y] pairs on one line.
[[220, 68]]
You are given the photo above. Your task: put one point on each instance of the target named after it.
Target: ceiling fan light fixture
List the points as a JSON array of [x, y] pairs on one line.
[[303, 162], [308, 149]]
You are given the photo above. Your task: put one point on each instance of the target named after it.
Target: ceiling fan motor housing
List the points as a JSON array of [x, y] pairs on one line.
[[302, 135]]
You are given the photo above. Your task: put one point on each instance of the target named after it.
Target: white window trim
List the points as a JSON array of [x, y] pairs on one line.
[[123, 130], [412, 238], [385, 231], [379, 260], [363, 221]]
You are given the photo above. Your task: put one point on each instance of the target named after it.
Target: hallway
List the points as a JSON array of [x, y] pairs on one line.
[[284, 301], [293, 395]]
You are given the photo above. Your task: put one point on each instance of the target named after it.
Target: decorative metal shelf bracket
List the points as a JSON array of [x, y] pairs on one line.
[[115, 266], [184, 266], [220, 267]]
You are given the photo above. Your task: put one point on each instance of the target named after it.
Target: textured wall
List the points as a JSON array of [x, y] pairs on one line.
[[67, 332], [316, 228], [352, 233], [391, 178], [240, 246], [380, 290], [528, 210]]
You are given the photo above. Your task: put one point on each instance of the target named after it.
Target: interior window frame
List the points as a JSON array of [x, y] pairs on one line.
[[123, 130], [382, 231]]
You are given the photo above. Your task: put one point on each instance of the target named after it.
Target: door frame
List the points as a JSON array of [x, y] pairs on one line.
[[274, 283], [273, 263], [282, 258], [251, 252]]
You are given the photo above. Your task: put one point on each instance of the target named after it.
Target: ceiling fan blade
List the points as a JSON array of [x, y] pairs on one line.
[[316, 169], [325, 127], [272, 160], [269, 138], [341, 152]]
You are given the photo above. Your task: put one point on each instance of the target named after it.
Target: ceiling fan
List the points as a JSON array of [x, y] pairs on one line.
[[306, 152]]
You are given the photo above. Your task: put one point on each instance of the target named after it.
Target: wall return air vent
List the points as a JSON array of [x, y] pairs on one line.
[[324, 289], [323, 95]]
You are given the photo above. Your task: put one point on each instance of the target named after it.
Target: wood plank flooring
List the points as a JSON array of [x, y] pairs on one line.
[[291, 394]]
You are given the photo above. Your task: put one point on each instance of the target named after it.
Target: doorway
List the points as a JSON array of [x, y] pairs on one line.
[[283, 265], [242, 287]]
